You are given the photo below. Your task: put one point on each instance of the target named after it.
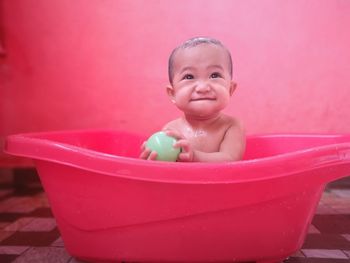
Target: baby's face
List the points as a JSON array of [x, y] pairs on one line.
[[202, 84]]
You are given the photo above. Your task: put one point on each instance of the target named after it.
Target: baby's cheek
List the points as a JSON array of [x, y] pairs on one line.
[[181, 99]]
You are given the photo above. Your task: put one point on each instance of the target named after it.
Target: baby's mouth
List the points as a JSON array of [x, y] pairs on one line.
[[203, 99]]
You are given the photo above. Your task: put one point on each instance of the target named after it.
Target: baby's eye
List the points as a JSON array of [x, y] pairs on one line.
[[215, 75], [188, 76]]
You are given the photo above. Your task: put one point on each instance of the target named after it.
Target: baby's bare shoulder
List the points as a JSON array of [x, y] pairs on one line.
[[231, 122], [174, 124]]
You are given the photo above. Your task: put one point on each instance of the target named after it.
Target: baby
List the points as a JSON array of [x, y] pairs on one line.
[[201, 85]]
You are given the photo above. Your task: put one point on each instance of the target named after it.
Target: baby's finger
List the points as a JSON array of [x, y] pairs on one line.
[[145, 154], [183, 144], [152, 156], [143, 146], [175, 134], [185, 157]]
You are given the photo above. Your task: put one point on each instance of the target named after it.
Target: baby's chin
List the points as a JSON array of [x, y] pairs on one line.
[[203, 115]]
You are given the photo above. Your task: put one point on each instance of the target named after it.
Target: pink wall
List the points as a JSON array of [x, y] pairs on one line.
[[87, 64]]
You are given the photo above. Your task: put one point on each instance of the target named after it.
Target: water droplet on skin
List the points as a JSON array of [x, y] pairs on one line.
[[199, 133]]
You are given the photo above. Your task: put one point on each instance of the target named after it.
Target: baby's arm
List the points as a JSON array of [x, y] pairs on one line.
[[231, 148]]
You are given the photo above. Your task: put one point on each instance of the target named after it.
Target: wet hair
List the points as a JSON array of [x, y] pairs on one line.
[[193, 42]]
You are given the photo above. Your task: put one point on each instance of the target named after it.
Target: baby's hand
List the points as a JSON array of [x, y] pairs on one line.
[[147, 154], [186, 154]]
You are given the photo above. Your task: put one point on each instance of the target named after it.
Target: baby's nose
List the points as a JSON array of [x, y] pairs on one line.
[[202, 86]]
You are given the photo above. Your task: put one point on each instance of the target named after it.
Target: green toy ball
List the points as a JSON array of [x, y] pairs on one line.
[[163, 145]]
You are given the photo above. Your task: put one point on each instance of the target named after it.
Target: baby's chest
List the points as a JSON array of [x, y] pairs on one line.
[[207, 141]]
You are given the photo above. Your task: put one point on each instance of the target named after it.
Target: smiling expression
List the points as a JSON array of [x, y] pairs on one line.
[[202, 84]]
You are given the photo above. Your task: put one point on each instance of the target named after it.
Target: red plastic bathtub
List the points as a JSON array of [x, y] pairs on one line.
[[111, 206]]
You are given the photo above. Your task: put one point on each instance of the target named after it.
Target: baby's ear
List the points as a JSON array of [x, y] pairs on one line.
[[170, 91], [233, 87]]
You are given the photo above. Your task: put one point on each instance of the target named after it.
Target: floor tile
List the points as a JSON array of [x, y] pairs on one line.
[[26, 205], [343, 210], [17, 205], [347, 236], [9, 217], [342, 193], [44, 254], [5, 234], [298, 254], [39, 225], [13, 250], [31, 238], [18, 224], [4, 224], [74, 260], [313, 230], [5, 192], [316, 260], [336, 224], [325, 210], [326, 241], [41, 212], [58, 243], [325, 253], [4, 258]]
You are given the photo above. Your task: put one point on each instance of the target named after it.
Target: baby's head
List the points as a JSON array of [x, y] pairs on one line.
[[192, 43], [200, 75]]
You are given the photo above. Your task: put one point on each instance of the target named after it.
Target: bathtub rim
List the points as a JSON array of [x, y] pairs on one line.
[[128, 167]]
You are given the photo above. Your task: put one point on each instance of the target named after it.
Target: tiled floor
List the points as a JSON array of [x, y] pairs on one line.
[[28, 231]]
